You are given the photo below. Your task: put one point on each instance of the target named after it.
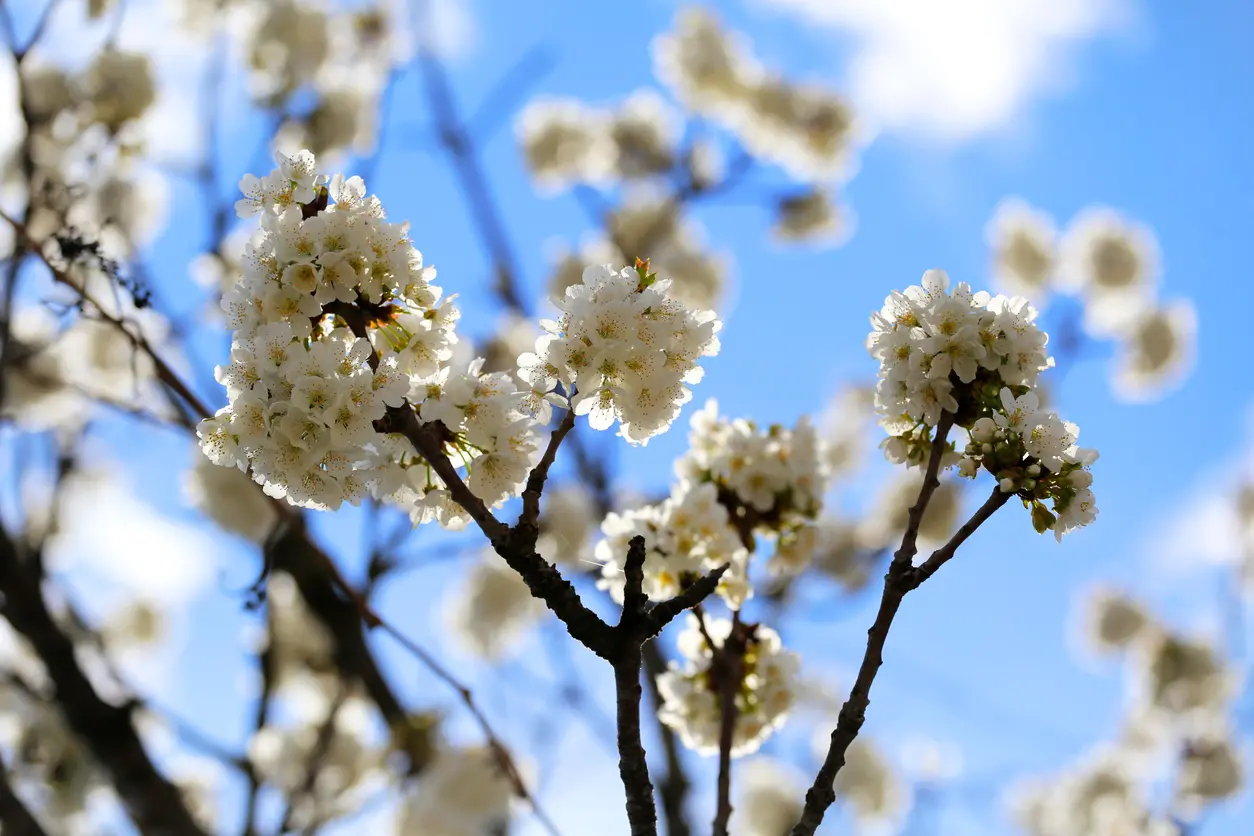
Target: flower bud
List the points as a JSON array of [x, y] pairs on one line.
[[984, 430]]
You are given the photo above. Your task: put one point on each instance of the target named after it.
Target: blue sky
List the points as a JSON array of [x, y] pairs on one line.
[[1148, 111]]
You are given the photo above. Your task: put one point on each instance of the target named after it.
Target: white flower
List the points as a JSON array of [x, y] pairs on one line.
[[306, 390], [625, 349], [770, 796], [691, 705], [1024, 248], [462, 792], [493, 609], [1156, 351], [1113, 263]]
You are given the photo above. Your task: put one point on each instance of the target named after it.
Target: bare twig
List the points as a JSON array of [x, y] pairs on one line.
[[902, 577], [729, 662]]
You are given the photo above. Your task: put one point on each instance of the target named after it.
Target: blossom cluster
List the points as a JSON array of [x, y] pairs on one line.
[[1111, 263], [621, 350], [979, 358], [303, 392], [691, 691], [1033, 453], [686, 535], [772, 479], [804, 128], [335, 321]]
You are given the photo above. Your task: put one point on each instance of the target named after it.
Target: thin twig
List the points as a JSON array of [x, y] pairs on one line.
[[900, 579], [729, 660]]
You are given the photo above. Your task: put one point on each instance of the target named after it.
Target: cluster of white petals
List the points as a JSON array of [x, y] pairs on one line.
[[979, 358], [624, 349], [773, 479], [335, 321], [462, 792], [565, 141], [804, 128], [686, 536], [492, 610], [764, 696]]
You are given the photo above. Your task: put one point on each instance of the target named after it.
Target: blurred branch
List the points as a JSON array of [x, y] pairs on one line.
[[674, 785], [510, 90], [153, 803]]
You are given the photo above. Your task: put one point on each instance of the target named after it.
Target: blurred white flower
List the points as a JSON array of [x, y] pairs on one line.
[[1024, 245], [1156, 351]]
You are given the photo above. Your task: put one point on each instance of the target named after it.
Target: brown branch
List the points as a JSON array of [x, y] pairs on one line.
[[942, 555], [900, 579], [535, 480], [633, 767], [674, 785], [729, 662], [155, 805], [16, 819]]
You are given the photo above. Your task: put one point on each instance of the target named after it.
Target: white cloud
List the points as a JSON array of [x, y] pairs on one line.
[[958, 68]]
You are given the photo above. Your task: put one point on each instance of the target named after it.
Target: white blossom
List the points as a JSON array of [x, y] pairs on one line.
[[491, 611], [1024, 247], [691, 704], [624, 349]]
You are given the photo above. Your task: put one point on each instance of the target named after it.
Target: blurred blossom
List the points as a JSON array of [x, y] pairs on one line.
[[137, 623], [565, 142], [1096, 798], [230, 498], [710, 70], [868, 784], [1211, 770], [840, 553], [1184, 676], [1024, 245], [645, 130], [769, 801], [351, 765], [1114, 620], [691, 699], [705, 163], [123, 210], [342, 120], [1157, 351], [810, 216], [36, 393], [887, 518], [287, 48], [492, 610], [568, 521], [46, 92], [463, 792], [514, 335], [298, 642], [119, 87], [806, 130], [845, 426], [1114, 264]]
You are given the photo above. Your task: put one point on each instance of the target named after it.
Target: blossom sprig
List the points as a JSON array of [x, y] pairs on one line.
[[765, 693], [978, 358], [624, 348], [771, 480], [686, 535], [336, 321], [1033, 454]]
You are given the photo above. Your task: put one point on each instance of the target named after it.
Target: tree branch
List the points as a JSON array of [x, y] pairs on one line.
[[153, 803], [674, 785], [897, 582], [729, 660]]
